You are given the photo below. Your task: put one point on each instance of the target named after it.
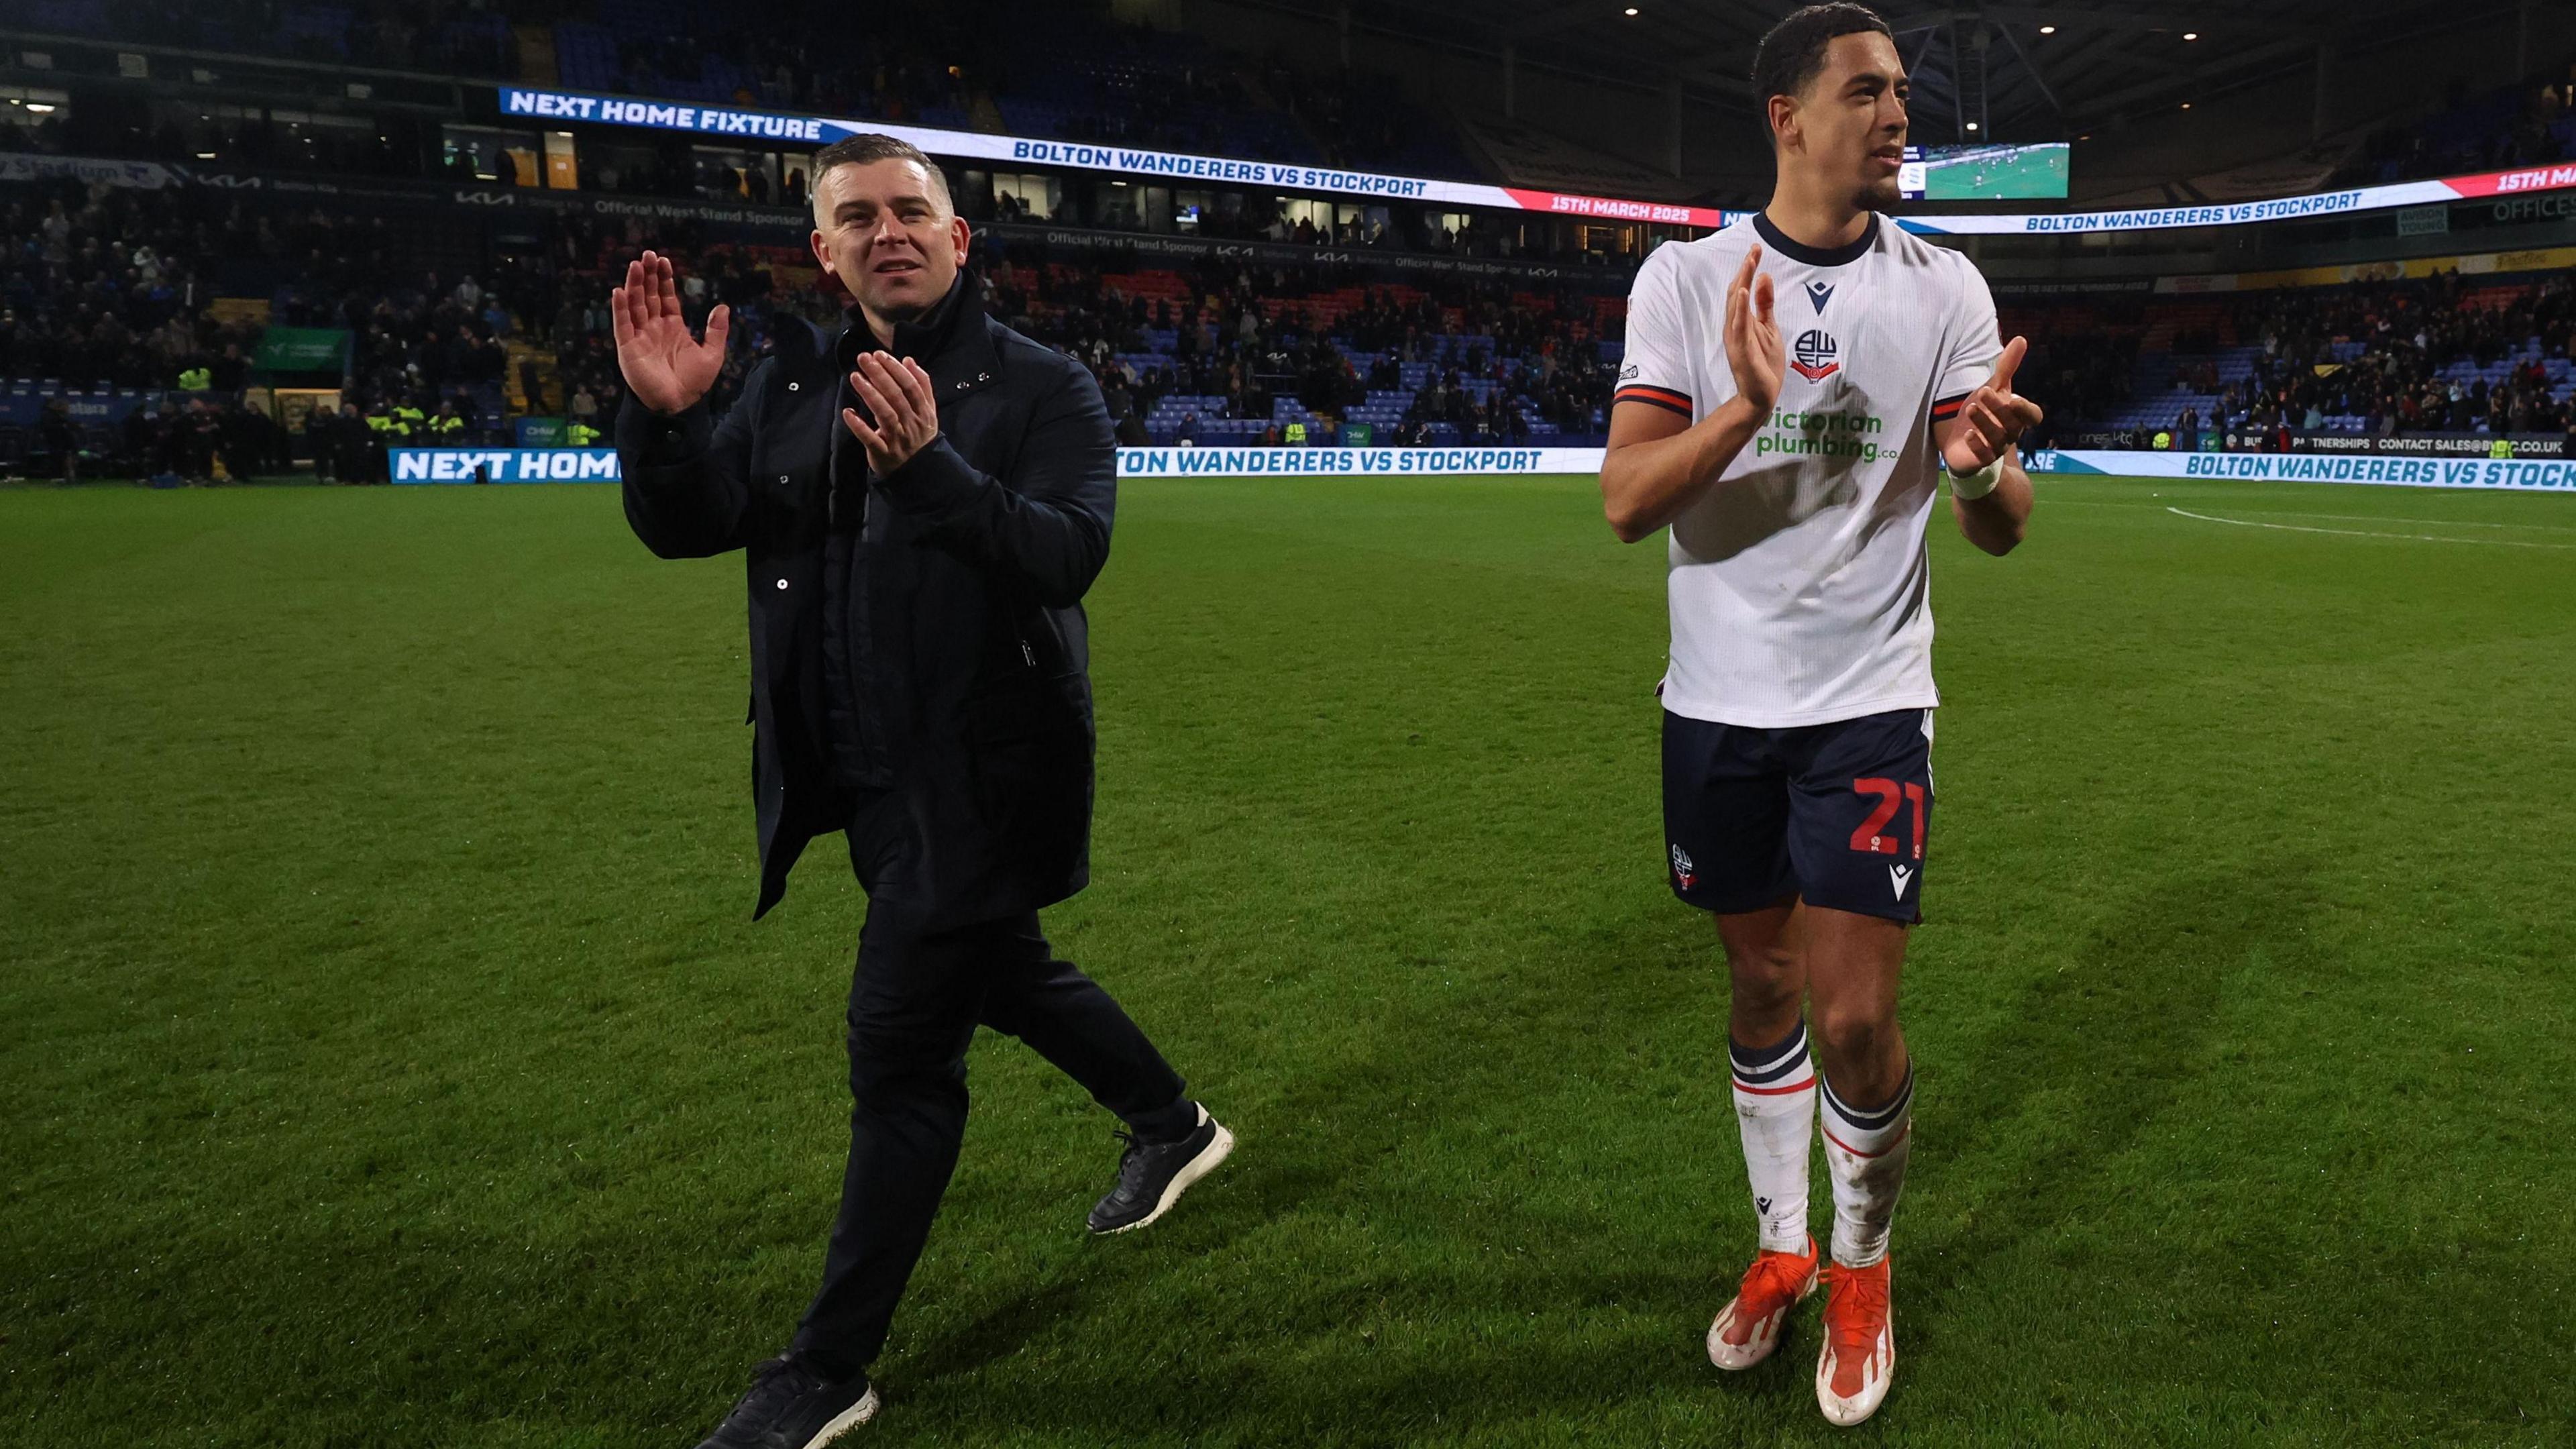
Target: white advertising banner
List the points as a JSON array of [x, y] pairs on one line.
[[504, 465], [562, 107], [599, 465], [2525, 475], [1299, 462]]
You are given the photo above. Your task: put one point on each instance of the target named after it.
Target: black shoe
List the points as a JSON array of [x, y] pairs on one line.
[[1153, 1175], [792, 1407]]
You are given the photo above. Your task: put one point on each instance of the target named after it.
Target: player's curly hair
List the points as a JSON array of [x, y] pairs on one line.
[[1792, 55]]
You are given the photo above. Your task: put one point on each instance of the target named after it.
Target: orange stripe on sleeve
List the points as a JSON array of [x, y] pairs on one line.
[[1662, 397]]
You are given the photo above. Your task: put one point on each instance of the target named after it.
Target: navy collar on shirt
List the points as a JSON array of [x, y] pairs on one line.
[[1798, 251]]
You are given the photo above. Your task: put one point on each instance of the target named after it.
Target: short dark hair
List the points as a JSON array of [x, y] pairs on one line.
[[1792, 55], [871, 146]]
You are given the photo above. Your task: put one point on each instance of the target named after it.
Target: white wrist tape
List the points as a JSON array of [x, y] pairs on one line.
[[1978, 484]]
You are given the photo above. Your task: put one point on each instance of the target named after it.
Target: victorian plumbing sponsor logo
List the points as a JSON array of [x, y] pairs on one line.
[[1821, 435]]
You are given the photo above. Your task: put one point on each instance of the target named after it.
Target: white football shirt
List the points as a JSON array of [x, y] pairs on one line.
[[1800, 586]]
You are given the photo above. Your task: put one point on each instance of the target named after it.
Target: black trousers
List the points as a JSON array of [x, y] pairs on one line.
[[916, 998]]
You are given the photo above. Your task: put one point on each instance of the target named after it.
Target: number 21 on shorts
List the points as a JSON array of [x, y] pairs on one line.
[[1876, 834]]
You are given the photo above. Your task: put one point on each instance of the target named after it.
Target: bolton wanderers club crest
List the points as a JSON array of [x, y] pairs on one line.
[[1813, 356], [1682, 870]]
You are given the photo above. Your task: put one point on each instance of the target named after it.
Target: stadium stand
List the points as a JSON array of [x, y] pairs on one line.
[[2517, 125], [1214, 352], [113, 295], [1055, 71], [770, 57], [123, 292], [2438, 355], [138, 289], [447, 36], [149, 306], [1236, 354], [1144, 88]]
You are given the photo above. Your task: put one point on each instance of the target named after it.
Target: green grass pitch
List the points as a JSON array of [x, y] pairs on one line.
[[389, 1059]]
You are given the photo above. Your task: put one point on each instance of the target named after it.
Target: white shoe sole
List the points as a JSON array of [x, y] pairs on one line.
[[1873, 1390], [1737, 1357], [1197, 1167], [848, 1419]]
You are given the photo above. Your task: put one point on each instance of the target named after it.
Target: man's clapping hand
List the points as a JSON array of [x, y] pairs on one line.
[[666, 368], [1991, 417], [897, 393]]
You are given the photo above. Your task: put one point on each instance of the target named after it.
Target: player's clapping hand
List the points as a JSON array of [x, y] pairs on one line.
[[898, 395], [1753, 349], [667, 369], [1992, 417]]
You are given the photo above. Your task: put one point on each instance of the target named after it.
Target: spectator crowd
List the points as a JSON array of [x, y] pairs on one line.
[[171, 296], [2442, 354]]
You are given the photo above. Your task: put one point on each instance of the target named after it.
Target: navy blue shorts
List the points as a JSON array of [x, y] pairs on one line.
[[1836, 815]]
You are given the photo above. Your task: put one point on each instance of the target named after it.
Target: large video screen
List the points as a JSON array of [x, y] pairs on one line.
[[1985, 173]]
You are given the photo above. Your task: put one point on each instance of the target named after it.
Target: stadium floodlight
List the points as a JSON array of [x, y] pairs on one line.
[[2191, 35], [2048, 30], [1631, 10], [1972, 125]]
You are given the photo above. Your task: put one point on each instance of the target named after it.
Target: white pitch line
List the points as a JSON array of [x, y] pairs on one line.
[[2366, 533], [2339, 517], [2427, 522]]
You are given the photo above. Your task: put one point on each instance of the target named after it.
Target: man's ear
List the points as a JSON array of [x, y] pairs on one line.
[[959, 235], [823, 254], [1783, 114]]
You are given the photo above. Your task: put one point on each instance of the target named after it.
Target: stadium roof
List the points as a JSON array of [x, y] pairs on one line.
[[1989, 64]]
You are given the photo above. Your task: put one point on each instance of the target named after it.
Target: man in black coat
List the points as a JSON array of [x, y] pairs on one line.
[[921, 498], [60, 440]]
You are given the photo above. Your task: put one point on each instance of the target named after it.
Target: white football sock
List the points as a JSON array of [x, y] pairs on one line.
[[1865, 1153], [1775, 1105]]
